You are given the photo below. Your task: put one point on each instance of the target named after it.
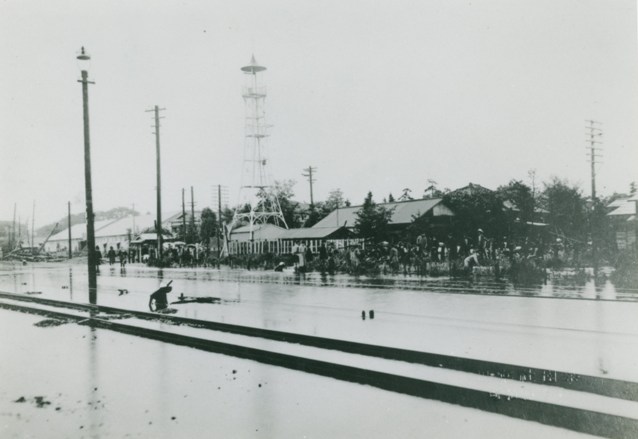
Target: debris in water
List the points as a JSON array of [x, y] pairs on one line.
[[21, 399], [41, 402], [49, 322]]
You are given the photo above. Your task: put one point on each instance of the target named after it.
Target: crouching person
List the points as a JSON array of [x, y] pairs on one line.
[[157, 300]]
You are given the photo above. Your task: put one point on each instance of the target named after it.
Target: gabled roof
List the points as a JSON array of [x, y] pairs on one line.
[[627, 208], [78, 231], [403, 213], [472, 188], [111, 227], [317, 233], [122, 226]]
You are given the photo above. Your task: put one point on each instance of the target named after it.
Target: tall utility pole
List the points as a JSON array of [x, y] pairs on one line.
[[594, 134], [220, 198], [193, 234], [158, 221], [84, 59], [308, 174], [133, 220], [183, 218], [13, 228], [69, 228]]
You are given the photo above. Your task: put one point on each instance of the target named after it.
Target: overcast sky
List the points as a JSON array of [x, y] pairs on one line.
[[378, 95]]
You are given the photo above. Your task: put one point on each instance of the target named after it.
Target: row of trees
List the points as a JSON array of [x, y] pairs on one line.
[[509, 211]]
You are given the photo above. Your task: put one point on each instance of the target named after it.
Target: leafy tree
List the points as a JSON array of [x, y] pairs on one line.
[[208, 228], [566, 208], [335, 200], [479, 208], [405, 196], [390, 198], [372, 220], [314, 214], [227, 215], [520, 198]]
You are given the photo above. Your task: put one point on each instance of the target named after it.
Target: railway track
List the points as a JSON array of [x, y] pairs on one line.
[[404, 371]]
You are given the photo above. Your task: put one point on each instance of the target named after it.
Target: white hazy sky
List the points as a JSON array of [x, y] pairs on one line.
[[378, 95]]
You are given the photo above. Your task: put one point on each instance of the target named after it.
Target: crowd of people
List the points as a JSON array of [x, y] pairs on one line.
[[428, 255], [424, 254]]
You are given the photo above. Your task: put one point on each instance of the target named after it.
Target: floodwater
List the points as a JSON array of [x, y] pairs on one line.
[[586, 330], [105, 384], [73, 381]]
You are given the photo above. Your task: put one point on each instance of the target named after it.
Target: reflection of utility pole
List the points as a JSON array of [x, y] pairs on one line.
[[158, 221], [308, 173], [69, 221], [594, 132]]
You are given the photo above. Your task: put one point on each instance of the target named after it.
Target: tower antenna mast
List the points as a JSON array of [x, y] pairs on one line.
[[257, 202]]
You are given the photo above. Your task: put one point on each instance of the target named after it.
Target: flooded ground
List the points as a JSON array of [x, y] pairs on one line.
[[71, 381], [587, 330]]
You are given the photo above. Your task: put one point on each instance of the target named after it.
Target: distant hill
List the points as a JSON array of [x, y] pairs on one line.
[[78, 218]]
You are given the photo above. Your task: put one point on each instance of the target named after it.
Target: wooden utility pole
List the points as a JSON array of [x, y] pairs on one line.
[[183, 218], [308, 174], [158, 222], [12, 243], [69, 228], [193, 234], [593, 138]]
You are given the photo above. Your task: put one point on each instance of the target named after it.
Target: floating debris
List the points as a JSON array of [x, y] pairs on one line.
[[41, 402], [50, 322]]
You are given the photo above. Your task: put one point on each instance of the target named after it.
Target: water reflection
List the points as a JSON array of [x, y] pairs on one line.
[[590, 290], [609, 291], [94, 404], [70, 283]]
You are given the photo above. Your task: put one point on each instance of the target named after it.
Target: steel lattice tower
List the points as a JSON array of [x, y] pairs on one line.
[[256, 189]]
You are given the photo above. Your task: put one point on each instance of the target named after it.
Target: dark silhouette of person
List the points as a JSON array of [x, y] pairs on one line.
[[98, 257], [111, 256], [159, 297]]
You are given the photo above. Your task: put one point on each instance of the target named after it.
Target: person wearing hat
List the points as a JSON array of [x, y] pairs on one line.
[[159, 297]]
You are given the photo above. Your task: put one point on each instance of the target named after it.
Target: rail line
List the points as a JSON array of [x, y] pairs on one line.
[[577, 419], [586, 383]]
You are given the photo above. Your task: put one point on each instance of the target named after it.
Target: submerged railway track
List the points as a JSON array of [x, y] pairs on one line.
[[603, 423]]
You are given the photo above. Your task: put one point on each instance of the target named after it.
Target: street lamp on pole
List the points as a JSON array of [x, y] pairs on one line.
[[83, 62]]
